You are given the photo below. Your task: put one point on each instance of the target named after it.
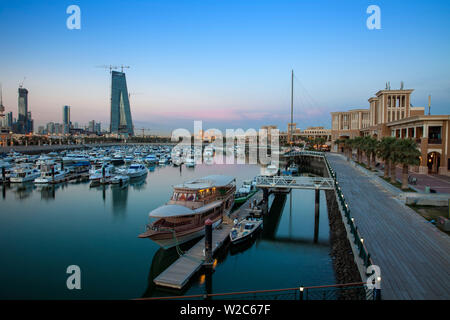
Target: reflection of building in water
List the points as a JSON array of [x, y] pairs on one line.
[[119, 200]]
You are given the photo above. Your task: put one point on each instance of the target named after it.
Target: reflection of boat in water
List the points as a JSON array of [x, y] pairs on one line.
[[245, 229], [192, 203]]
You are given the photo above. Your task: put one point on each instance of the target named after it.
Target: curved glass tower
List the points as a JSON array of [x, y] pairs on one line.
[[121, 122]]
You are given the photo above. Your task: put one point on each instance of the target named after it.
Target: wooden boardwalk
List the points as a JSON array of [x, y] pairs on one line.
[[413, 255], [178, 273]]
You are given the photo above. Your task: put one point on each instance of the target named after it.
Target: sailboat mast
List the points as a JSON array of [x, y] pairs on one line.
[[292, 105]]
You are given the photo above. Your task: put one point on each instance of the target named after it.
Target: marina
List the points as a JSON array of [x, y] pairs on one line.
[[110, 217]]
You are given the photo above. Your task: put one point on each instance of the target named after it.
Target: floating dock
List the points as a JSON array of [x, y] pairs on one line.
[[178, 273]]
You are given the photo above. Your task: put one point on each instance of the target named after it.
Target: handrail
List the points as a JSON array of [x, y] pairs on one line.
[[343, 285], [363, 252]]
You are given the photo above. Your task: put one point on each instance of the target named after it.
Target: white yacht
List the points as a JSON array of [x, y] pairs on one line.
[[24, 174], [136, 170], [189, 163], [96, 173], [51, 173], [151, 159], [129, 159], [70, 159]]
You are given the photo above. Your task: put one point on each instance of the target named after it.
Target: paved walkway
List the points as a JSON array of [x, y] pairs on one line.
[[413, 255], [437, 182]]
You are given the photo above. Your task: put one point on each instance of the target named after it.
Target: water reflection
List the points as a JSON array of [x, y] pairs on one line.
[[119, 200], [23, 190]]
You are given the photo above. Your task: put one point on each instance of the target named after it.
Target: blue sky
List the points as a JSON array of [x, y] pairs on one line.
[[224, 62]]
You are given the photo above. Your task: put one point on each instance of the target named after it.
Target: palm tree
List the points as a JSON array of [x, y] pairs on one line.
[[348, 148], [338, 142], [369, 146], [385, 148], [357, 144], [407, 155]]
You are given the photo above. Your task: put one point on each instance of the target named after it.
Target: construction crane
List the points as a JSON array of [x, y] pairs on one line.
[[143, 131], [124, 67], [21, 83], [110, 67]]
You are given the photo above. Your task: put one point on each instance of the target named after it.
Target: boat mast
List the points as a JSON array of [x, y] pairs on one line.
[[292, 105]]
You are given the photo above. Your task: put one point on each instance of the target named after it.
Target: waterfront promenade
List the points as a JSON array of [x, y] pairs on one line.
[[413, 255]]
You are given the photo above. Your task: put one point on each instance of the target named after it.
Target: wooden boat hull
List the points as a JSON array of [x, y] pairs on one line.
[[168, 240]]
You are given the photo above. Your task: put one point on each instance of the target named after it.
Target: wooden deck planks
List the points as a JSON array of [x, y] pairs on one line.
[[413, 255]]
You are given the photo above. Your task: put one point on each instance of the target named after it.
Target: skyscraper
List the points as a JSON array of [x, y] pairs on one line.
[[121, 122], [22, 121], [2, 109], [66, 119], [9, 120]]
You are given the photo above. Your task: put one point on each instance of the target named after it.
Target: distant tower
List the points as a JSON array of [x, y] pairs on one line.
[[2, 107], [66, 119], [22, 120], [121, 121]]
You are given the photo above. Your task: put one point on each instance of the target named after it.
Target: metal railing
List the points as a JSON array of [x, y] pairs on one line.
[[349, 291], [358, 240], [295, 182], [305, 153]]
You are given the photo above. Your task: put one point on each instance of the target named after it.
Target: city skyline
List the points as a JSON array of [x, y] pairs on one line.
[[228, 65]]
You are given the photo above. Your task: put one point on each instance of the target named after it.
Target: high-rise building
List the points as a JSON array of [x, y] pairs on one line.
[[50, 128], [2, 107], [98, 127], [22, 121], [9, 120], [121, 122], [29, 123], [91, 127], [66, 119]]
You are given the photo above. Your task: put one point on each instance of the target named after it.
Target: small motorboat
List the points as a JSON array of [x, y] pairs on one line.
[[293, 169], [120, 179], [244, 229]]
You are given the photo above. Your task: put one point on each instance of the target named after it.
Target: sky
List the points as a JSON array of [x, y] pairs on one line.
[[225, 62]]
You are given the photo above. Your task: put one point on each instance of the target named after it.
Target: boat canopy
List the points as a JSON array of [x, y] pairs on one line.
[[175, 210], [170, 210], [207, 182]]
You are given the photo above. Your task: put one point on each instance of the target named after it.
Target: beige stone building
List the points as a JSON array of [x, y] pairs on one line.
[[391, 113]]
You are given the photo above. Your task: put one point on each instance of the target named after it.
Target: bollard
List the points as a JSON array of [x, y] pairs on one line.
[[208, 242], [301, 292]]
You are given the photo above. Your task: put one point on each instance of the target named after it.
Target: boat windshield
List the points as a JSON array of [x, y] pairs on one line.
[[248, 226]]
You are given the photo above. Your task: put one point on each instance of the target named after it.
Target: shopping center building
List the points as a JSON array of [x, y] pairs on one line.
[[392, 114]]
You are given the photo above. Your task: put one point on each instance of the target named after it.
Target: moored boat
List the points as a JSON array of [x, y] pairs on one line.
[[136, 170], [192, 203], [244, 229]]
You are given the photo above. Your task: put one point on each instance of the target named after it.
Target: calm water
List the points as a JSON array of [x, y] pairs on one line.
[[44, 230]]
